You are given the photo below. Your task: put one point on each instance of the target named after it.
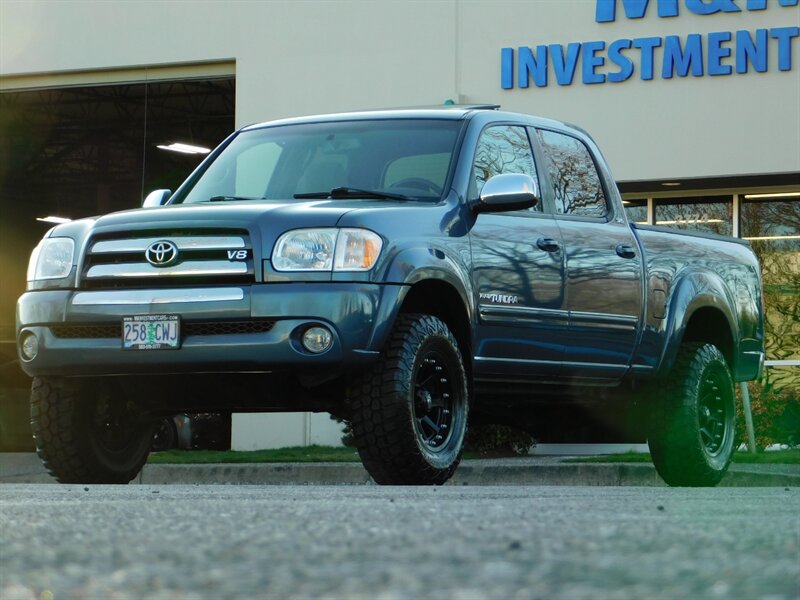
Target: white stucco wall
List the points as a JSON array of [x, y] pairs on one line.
[[295, 58], [659, 129], [282, 430]]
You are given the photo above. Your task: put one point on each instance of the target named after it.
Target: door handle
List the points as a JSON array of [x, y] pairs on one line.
[[548, 245], [626, 251]]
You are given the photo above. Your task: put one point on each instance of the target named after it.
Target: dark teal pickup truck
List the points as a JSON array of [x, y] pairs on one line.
[[406, 270]]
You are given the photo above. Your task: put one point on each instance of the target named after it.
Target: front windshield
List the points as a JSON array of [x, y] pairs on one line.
[[401, 158]]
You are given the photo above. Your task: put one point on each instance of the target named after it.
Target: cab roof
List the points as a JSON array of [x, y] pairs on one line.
[[485, 112], [445, 111]]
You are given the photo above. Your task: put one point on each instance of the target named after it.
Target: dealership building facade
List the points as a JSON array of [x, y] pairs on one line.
[[695, 103]]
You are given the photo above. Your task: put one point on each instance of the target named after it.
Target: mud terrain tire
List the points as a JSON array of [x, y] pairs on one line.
[[86, 433], [409, 412], [691, 432]]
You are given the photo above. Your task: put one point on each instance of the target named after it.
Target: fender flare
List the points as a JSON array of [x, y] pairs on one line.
[[692, 291], [412, 266]]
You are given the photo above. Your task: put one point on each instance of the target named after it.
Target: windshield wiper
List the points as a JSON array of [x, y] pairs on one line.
[[231, 198], [348, 192]]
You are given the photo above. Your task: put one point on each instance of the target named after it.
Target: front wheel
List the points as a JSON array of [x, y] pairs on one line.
[[409, 413], [87, 431], [691, 433]]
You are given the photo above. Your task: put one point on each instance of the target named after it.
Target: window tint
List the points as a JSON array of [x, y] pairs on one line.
[[501, 149], [254, 168], [430, 167], [576, 184]]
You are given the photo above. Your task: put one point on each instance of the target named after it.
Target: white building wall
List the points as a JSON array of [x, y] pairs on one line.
[[295, 58], [659, 129], [282, 430]]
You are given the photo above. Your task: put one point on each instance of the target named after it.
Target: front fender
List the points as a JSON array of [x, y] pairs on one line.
[[691, 292], [413, 266]]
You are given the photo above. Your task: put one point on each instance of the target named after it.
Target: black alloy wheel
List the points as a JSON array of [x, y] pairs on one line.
[[435, 398], [166, 435], [712, 411]]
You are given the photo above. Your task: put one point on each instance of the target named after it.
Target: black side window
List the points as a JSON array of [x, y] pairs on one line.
[[576, 184], [501, 149]]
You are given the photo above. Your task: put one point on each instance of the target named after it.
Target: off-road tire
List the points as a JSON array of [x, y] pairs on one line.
[[85, 433], [398, 407], [691, 426]]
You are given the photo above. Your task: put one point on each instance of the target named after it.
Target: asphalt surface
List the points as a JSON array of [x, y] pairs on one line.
[[529, 470], [465, 543]]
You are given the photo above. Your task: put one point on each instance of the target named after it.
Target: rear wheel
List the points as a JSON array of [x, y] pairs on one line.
[[691, 433], [409, 413], [87, 432], [166, 435]]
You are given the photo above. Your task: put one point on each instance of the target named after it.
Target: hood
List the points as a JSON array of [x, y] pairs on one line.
[[246, 214], [265, 221]]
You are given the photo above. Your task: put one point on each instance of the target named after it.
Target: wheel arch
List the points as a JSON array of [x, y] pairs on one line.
[[438, 285], [442, 300], [700, 311]]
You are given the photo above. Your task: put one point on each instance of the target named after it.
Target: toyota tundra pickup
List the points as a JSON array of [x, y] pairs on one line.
[[405, 270]]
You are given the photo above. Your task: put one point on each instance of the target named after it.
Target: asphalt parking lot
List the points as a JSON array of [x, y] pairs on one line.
[[363, 542]]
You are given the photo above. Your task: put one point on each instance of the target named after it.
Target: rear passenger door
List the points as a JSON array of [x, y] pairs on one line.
[[604, 268], [517, 270]]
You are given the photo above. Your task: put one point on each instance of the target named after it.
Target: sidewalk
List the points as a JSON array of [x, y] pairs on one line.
[[529, 470]]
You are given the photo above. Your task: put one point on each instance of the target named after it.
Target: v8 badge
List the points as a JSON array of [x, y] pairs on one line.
[[237, 254]]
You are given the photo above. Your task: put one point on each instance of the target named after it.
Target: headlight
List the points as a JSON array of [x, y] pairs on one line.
[[51, 259], [327, 250], [305, 250]]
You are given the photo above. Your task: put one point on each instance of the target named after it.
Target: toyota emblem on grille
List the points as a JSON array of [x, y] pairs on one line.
[[161, 254]]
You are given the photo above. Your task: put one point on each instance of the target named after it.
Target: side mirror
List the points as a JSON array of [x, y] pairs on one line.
[[507, 192], [156, 198]]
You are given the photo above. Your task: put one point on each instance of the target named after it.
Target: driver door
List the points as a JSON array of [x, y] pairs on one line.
[[517, 271]]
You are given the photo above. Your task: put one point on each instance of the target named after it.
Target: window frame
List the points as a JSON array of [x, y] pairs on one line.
[[543, 208], [547, 190]]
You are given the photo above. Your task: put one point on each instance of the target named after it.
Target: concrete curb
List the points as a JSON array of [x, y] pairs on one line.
[[469, 473], [550, 471], [256, 474]]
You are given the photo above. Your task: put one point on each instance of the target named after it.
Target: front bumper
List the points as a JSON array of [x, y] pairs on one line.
[[359, 315]]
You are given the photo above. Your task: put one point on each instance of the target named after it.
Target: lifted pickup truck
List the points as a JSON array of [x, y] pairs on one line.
[[398, 269]]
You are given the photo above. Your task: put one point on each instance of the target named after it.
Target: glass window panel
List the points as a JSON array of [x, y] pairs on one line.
[[636, 211], [772, 220], [773, 228], [317, 157], [502, 149], [709, 214], [254, 168], [577, 189], [432, 167]]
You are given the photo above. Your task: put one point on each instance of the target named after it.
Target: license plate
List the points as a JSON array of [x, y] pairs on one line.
[[151, 332]]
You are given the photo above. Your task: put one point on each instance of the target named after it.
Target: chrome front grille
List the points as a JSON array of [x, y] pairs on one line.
[[194, 268], [203, 257], [194, 242]]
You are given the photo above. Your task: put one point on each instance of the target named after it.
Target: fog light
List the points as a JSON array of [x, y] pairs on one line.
[[317, 340], [29, 345]]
